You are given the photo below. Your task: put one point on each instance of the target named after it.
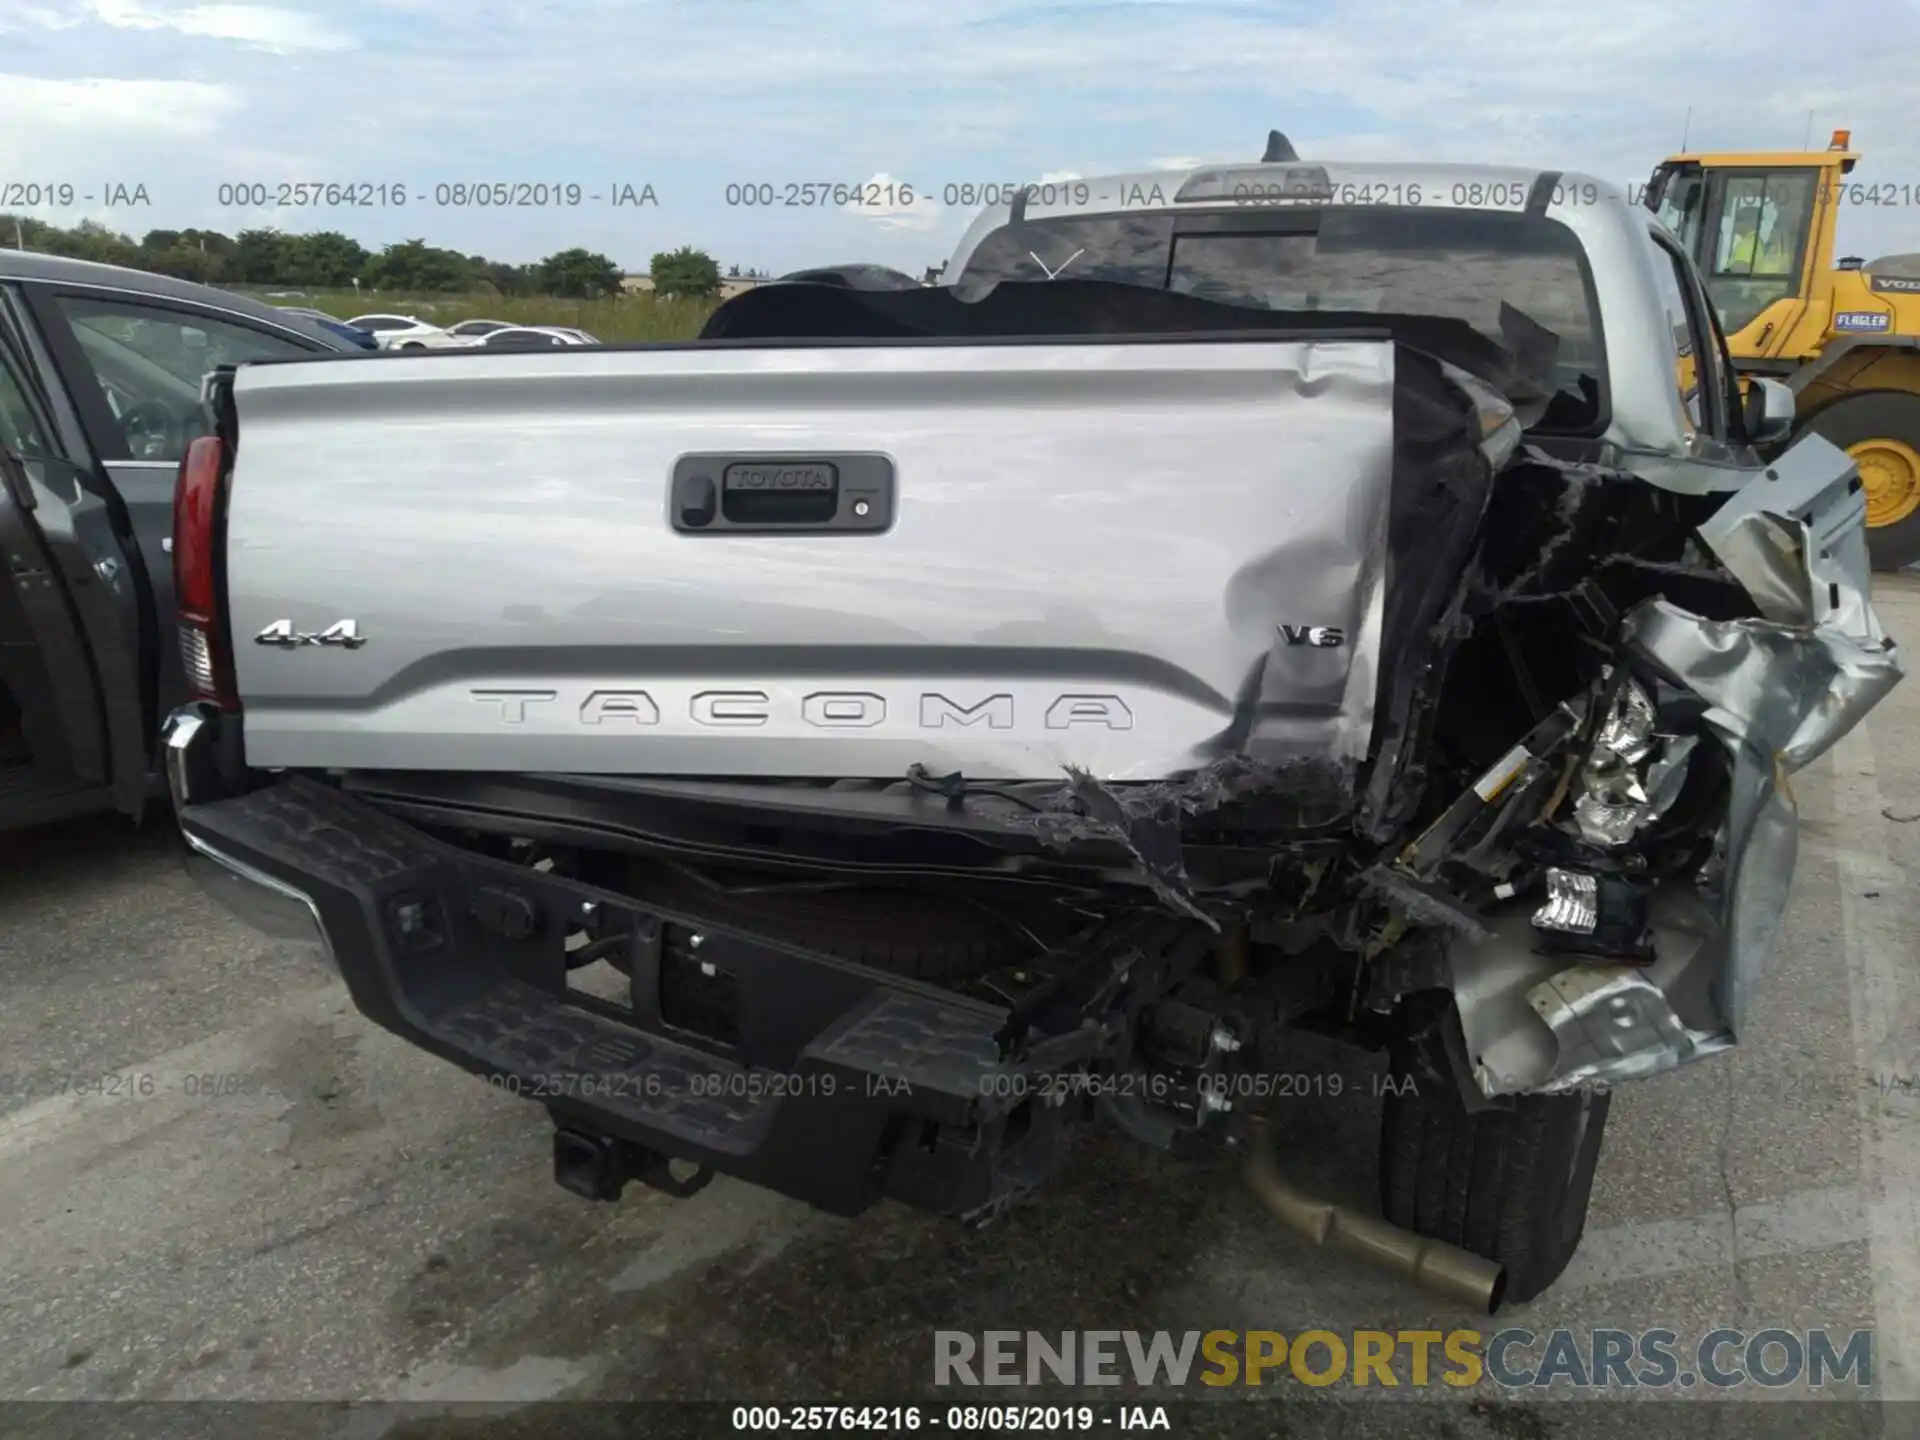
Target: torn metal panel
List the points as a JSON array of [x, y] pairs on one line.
[[1787, 691], [1798, 534], [1781, 695], [1151, 833], [1536, 1024], [1151, 820], [1611, 1024], [1439, 504], [1779, 690]]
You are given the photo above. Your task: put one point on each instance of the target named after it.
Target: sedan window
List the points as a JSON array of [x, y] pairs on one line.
[[148, 362]]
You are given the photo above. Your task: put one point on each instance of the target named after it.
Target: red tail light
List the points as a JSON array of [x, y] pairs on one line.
[[204, 652]]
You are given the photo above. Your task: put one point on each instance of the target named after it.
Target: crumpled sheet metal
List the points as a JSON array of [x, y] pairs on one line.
[[1148, 819], [1780, 696], [1782, 690], [1785, 691], [1537, 1025], [1612, 1024], [1796, 535]]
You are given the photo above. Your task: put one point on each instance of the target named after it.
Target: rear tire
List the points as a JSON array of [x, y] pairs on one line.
[[1509, 1184], [1890, 468]]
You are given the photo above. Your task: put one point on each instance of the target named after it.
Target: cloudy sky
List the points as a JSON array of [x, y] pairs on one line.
[[692, 96]]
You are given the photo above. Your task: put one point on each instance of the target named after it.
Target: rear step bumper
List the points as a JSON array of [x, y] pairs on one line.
[[816, 1078]]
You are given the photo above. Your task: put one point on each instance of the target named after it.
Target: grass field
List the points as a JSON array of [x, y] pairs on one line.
[[630, 317]]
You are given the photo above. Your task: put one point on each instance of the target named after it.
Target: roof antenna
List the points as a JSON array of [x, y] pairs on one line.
[[1279, 151], [1686, 130], [1807, 142]]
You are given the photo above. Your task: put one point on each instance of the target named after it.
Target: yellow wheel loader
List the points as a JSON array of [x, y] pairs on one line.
[[1845, 334]]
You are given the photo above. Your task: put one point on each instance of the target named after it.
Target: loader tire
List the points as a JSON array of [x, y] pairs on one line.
[[1881, 431], [1509, 1184]]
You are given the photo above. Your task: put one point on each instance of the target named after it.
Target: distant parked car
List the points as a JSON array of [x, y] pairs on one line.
[[346, 332], [332, 325], [522, 337], [472, 332], [398, 332]]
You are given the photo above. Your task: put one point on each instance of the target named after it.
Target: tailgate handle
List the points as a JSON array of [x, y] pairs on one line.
[[775, 493]]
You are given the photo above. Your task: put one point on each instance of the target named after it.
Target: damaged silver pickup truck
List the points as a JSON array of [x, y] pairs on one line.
[[1297, 597]]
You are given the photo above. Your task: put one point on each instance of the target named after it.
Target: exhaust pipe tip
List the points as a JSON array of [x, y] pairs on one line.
[[1438, 1268]]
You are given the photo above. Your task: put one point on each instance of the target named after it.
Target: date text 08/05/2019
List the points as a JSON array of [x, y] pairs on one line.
[[1054, 1088], [442, 195], [1235, 1085], [892, 1419]]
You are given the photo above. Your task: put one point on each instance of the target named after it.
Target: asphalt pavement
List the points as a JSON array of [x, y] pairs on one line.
[[261, 1197]]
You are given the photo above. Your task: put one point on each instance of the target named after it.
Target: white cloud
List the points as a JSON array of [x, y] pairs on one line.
[[282, 31], [1178, 162], [102, 144], [263, 27], [18, 17], [56, 128]]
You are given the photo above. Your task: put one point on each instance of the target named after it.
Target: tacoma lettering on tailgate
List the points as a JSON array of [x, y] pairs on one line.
[[822, 709]]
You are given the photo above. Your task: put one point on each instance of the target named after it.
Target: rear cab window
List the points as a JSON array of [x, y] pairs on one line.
[[1515, 279]]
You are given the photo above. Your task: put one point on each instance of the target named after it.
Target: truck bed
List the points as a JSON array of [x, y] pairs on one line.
[[1098, 553]]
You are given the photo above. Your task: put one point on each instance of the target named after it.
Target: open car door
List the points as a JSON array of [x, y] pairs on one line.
[[74, 731]]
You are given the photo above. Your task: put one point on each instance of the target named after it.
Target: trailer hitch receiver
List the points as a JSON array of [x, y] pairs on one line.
[[598, 1167]]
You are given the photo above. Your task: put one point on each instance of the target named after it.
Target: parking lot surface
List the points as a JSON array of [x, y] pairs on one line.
[[261, 1197]]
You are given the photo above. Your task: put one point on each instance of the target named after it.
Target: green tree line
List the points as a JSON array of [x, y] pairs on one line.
[[328, 260]]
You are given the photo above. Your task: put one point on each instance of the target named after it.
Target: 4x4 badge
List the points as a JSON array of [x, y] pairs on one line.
[[282, 633]]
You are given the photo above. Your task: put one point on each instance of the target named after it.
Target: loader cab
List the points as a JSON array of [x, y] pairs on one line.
[[1749, 230], [1760, 228]]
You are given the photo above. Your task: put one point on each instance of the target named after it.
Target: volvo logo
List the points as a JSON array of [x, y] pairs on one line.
[[344, 633]]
